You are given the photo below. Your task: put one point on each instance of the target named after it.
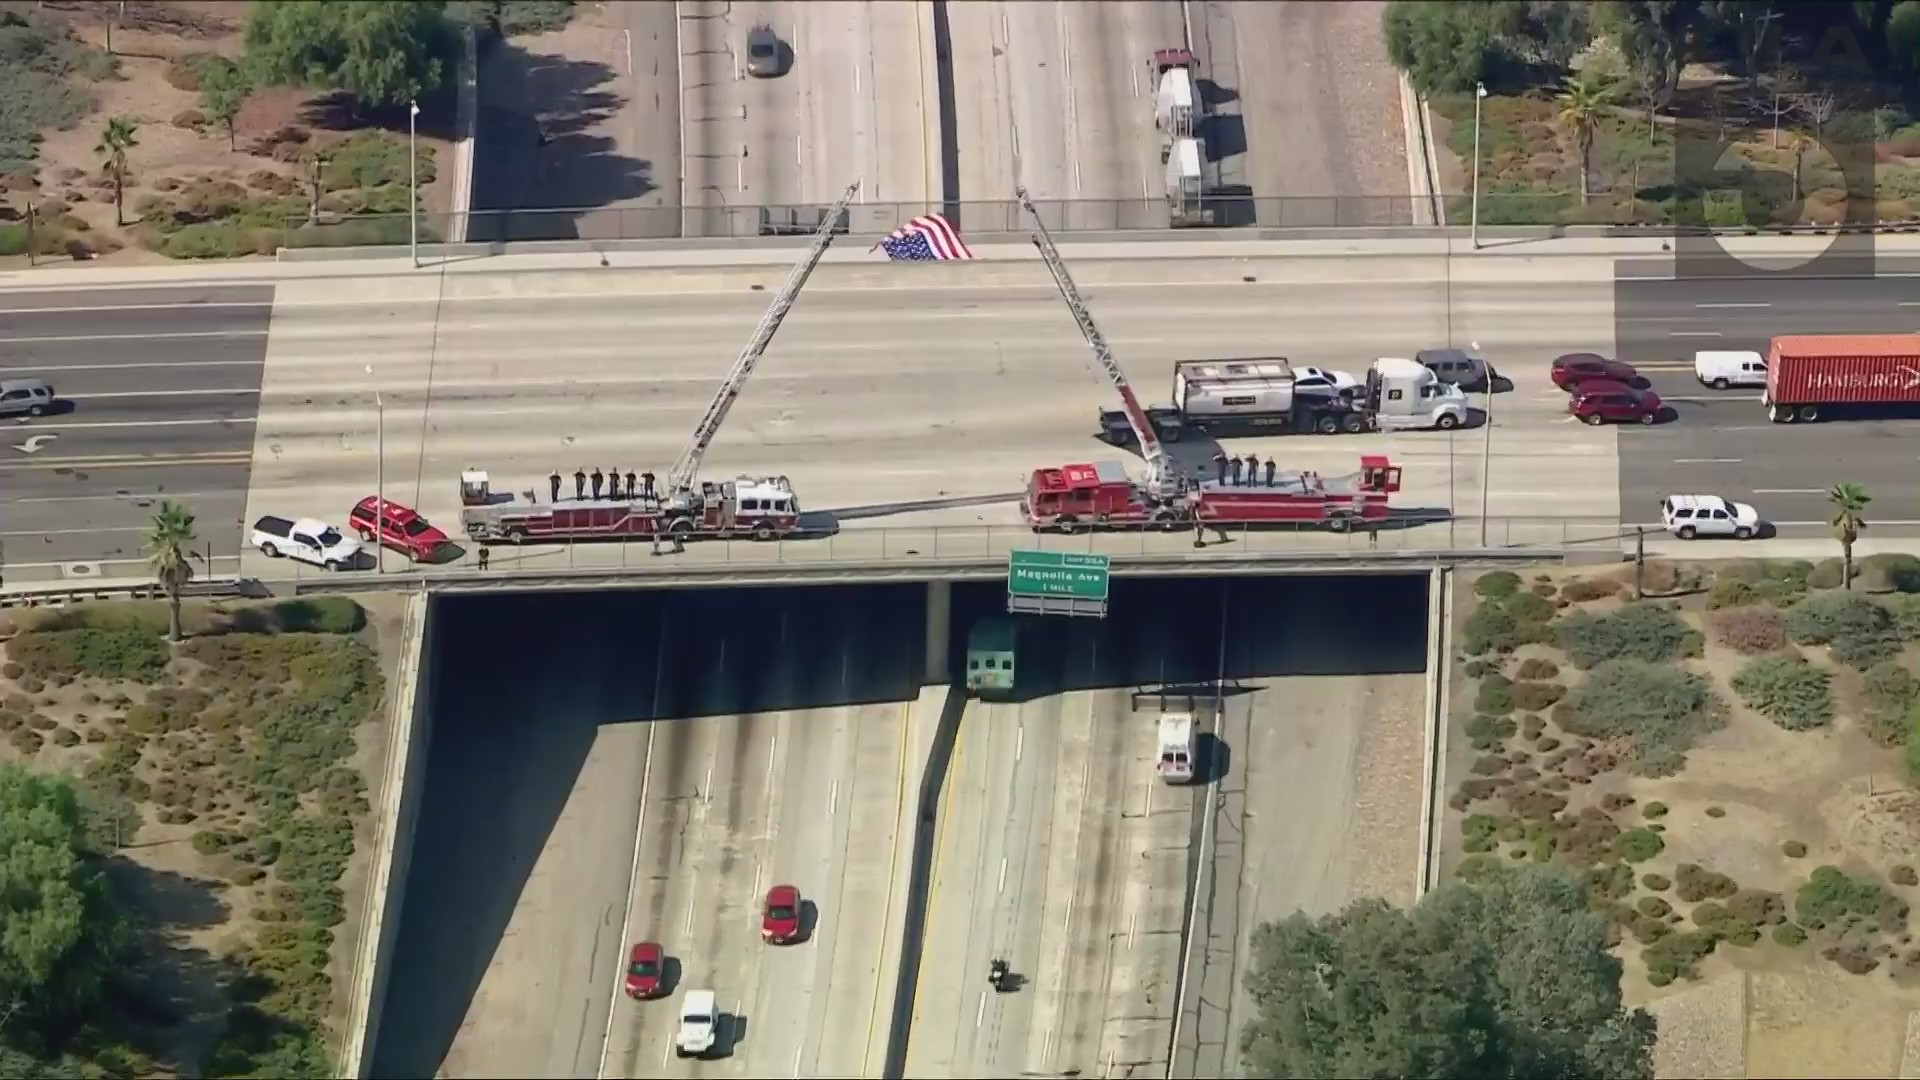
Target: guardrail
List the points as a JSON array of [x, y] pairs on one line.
[[532, 224], [903, 548]]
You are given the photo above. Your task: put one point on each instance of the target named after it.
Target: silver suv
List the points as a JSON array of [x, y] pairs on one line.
[[25, 397]]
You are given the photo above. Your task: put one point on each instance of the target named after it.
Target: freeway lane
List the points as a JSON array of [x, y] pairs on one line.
[[164, 385], [1723, 442]]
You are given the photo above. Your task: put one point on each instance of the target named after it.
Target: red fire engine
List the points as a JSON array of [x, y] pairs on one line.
[[762, 507], [1072, 498], [1076, 497]]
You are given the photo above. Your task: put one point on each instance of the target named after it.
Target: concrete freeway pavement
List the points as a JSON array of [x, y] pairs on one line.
[[858, 103], [1058, 96], [164, 385], [646, 765]]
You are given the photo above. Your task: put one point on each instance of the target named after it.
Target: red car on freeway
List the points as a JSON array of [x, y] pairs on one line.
[[1573, 369], [1599, 402], [646, 965], [780, 923], [400, 527]]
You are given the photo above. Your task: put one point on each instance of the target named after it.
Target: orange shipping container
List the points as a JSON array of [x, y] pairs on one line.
[[1844, 369]]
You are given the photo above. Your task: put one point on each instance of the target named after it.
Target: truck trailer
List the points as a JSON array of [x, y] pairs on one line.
[[1227, 398], [1816, 376]]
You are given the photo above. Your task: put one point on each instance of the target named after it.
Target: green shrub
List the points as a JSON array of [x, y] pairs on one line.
[[1497, 584], [1528, 608], [1489, 732], [1538, 668], [1757, 906], [1730, 592], [1663, 710], [1830, 900], [1792, 693], [1535, 696], [1638, 845], [146, 616], [1789, 934], [371, 159], [1893, 702], [1749, 630], [1656, 882], [1793, 849], [1826, 617], [1653, 907], [1677, 956], [1904, 875], [1905, 610], [1494, 697], [1582, 590], [1474, 669], [107, 654], [1890, 572], [1479, 833], [1492, 629], [37, 56], [320, 615], [1828, 574], [1654, 811], [1640, 631]]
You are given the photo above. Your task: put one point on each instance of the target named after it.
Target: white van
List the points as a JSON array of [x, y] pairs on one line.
[[1722, 370], [1176, 748]]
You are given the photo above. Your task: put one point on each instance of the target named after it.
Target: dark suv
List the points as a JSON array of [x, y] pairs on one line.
[[1456, 366]]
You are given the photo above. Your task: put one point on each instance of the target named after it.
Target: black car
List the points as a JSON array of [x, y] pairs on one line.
[[766, 53], [1456, 366]]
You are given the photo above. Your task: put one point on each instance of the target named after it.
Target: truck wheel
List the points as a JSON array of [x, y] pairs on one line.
[[1687, 532], [1647, 418], [1352, 424], [1448, 422], [1779, 415], [330, 565], [1743, 533], [679, 527], [1172, 435], [37, 410], [1721, 384], [1809, 413], [1067, 526], [270, 551], [516, 535], [1326, 425], [763, 531], [1596, 419], [1166, 519], [1338, 524]]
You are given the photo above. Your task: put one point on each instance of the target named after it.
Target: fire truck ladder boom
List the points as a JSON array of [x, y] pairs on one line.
[[685, 469], [1158, 472]]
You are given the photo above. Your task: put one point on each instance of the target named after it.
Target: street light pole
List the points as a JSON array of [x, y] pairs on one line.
[[413, 181], [1486, 453], [1479, 95], [379, 480]]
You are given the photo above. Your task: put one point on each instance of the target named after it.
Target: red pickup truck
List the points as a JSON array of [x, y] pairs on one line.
[[399, 527]]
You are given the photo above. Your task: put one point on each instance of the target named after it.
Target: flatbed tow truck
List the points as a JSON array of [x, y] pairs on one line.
[[1101, 495], [763, 507]]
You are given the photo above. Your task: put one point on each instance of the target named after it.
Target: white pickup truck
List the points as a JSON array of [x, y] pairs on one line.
[[699, 1025], [306, 539]]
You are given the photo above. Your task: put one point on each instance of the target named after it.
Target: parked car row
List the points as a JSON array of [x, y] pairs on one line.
[[699, 1030], [374, 521]]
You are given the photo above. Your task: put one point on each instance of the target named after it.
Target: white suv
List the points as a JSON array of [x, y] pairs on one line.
[[1690, 516], [699, 1025]]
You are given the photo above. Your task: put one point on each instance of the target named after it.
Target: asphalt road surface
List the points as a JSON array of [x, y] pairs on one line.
[[1722, 442], [643, 766], [855, 103], [164, 385]]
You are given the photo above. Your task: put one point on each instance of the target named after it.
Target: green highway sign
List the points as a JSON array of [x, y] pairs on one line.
[[1067, 575]]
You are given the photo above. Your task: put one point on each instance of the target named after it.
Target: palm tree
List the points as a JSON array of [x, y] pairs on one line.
[[1582, 103], [115, 141], [169, 547], [1849, 501]]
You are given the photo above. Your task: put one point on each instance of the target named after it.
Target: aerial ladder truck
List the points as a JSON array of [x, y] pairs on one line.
[[1073, 498], [761, 507]]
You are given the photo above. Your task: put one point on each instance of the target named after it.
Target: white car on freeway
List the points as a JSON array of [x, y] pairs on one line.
[[699, 1025], [308, 540], [1314, 378], [1691, 516]]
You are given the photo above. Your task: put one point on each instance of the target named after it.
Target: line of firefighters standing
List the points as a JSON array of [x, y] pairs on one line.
[[640, 486]]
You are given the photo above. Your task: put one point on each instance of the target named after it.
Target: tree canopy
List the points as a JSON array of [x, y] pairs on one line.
[[1509, 978], [58, 930], [382, 52], [1447, 47]]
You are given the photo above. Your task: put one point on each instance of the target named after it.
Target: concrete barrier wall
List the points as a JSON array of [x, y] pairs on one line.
[[1433, 772], [409, 726]]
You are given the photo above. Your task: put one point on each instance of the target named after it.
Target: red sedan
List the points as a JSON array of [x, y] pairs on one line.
[[780, 923], [400, 527], [645, 967]]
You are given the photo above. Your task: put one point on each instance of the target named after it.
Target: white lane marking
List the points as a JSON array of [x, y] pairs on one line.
[[78, 532], [1789, 491], [1003, 875], [773, 751], [1706, 461], [158, 393], [133, 367], [1019, 741], [1693, 333], [687, 926], [980, 1010], [148, 423], [706, 787], [129, 497], [758, 869], [34, 443], [633, 889], [18, 312], [54, 339], [833, 797], [1133, 918], [1735, 304], [796, 1059], [1910, 303]]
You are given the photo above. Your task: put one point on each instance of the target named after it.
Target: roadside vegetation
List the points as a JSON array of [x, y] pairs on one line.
[[231, 131], [199, 801], [1724, 113]]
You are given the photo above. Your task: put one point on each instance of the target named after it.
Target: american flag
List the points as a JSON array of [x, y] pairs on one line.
[[925, 239]]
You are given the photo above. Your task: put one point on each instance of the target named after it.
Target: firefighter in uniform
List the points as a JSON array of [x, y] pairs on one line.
[[579, 484], [553, 483]]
